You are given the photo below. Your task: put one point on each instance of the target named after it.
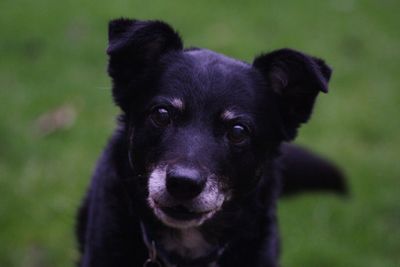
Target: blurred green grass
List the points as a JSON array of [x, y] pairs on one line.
[[52, 54]]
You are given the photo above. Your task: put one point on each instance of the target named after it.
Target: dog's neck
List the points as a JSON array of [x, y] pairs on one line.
[[181, 247], [188, 243]]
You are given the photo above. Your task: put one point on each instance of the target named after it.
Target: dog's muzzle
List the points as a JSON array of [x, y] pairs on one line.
[[183, 196]]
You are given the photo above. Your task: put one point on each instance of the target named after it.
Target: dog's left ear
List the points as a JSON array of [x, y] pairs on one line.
[[296, 79], [135, 48]]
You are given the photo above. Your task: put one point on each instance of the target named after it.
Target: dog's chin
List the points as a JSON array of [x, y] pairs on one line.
[[180, 217]]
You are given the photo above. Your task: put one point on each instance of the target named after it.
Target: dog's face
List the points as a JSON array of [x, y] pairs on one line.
[[202, 125], [204, 132]]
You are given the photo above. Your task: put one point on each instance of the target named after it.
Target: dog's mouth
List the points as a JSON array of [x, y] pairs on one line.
[[182, 213], [179, 216]]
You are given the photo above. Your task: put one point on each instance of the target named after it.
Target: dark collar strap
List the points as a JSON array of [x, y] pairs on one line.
[[157, 254]]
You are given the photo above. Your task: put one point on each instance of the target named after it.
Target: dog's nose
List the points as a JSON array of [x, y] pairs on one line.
[[184, 183]]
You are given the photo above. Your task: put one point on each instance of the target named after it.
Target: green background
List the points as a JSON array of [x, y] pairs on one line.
[[52, 54]]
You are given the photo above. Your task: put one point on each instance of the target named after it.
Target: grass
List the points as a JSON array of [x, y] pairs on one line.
[[52, 54]]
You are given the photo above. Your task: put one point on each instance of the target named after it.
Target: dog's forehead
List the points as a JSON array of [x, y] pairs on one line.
[[205, 77], [209, 59]]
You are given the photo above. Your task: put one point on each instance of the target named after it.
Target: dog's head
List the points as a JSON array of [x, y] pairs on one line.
[[202, 125]]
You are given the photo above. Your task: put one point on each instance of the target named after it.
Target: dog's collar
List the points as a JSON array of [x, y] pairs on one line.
[[159, 257]]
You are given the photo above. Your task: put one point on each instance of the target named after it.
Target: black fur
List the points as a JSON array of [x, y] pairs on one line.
[[302, 171], [269, 100]]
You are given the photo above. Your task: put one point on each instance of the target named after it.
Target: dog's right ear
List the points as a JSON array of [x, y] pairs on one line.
[[134, 49], [295, 79]]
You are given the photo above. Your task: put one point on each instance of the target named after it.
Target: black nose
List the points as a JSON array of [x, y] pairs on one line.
[[184, 183]]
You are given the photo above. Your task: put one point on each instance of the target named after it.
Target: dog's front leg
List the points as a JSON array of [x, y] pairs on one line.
[[110, 234]]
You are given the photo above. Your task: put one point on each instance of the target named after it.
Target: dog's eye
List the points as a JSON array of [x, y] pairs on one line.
[[160, 117], [237, 134]]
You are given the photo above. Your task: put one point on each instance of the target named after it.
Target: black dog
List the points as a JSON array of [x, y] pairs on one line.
[[193, 171]]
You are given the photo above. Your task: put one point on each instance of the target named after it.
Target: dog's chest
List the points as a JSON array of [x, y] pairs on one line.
[[188, 243]]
